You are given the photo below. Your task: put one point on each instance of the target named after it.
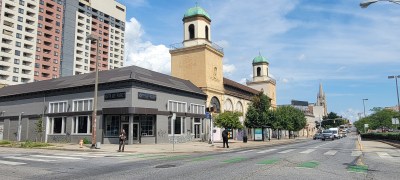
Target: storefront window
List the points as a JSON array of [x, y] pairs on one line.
[[147, 126], [57, 125], [82, 125], [178, 125], [112, 126]]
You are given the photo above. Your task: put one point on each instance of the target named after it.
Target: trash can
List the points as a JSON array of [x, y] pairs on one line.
[[98, 145], [245, 139]]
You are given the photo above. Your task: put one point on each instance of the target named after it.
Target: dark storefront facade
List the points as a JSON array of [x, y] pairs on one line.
[[135, 99]]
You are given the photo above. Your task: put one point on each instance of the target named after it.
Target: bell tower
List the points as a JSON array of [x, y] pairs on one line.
[[261, 79], [197, 59]]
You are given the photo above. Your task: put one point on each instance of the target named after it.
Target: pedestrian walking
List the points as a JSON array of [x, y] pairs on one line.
[[225, 138], [122, 138]]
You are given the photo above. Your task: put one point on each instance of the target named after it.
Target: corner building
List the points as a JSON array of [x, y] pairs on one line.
[[199, 60]]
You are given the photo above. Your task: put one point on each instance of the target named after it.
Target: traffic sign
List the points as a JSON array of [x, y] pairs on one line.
[[395, 121]]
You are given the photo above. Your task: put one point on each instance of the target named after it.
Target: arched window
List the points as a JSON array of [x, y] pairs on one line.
[[228, 105], [207, 32], [191, 31], [215, 103], [258, 71]]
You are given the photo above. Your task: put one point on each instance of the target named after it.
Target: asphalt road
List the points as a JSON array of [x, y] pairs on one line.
[[338, 159]]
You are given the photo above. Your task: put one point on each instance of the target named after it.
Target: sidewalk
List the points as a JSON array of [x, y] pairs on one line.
[[189, 147], [376, 146]]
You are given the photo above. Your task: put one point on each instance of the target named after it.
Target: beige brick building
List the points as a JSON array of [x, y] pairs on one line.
[[199, 60]]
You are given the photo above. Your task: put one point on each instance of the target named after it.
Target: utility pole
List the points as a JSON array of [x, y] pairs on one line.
[[96, 84]]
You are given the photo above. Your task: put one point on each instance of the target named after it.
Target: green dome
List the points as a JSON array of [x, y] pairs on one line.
[[260, 59], [195, 11]]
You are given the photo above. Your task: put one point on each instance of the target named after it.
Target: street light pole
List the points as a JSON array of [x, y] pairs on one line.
[[397, 90], [96, 84], [366, 3], [364, 105], [19, 126]]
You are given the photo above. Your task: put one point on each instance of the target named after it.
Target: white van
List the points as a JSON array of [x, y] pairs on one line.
[[335, 132]]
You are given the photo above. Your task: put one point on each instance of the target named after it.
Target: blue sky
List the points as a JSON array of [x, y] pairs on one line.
[[350, 50]]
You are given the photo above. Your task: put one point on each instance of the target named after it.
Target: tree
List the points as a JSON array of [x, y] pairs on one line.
[[257, 113], [39, 129], [381, 118], [333, 120], [228, 120], [290, 118]]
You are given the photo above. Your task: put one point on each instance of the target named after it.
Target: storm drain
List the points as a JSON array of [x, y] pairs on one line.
[[165, 166]]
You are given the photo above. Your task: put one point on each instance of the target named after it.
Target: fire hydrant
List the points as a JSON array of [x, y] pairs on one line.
[[81, 143]]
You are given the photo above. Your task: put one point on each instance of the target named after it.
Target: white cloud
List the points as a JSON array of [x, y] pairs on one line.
[[229, 68], [351, 114], [302, 57], [143, 53]]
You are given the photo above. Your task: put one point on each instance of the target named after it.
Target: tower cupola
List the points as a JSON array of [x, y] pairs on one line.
[[197, 29]]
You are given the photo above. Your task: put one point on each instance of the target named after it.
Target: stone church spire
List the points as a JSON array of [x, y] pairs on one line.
[[321, 99]]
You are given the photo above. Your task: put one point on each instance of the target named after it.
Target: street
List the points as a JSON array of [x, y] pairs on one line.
[[313, 159]]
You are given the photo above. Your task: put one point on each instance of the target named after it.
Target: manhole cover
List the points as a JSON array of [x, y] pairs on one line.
[[166, 166]]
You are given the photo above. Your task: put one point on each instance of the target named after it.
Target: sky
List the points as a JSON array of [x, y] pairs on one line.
[[350, 50]]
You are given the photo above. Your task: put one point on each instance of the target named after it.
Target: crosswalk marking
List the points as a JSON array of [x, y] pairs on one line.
[[265, 151], [245, 151], [286, 151], [56, 157], [383, 155], [307, 151], [356, 153], [330, 153], [78, 155], [29, 159], [11, 163]]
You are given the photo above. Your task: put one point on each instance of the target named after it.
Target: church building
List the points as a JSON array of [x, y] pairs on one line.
[[200, 61]]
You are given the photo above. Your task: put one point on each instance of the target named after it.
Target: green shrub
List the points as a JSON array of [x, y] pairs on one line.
[[86, 141], [382, 136], [30, 144], [4, 142]]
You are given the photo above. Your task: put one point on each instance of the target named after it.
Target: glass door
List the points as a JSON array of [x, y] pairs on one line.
[[135, 135], [197, 131]]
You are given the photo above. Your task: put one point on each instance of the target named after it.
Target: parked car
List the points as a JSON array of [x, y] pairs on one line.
[[317, 136], [327, 134]]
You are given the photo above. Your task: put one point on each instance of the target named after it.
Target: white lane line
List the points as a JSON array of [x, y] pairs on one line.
[[286, 151], [11, 163], [78, 155], [240, 152], [330, 153], [307, 151], [30, 159], [383, 155], [356, 153], [265, 151], [56, 157]]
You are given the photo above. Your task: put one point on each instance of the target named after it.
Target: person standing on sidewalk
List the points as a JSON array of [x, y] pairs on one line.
[[122, 137], [225, 138]]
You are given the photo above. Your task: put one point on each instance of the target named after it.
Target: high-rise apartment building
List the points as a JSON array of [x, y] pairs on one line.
[[45, 39], [18, 31], [102, 18]]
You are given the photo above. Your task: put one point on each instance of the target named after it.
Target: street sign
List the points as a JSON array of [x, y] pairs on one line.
[[395, 121], [365, 125]]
